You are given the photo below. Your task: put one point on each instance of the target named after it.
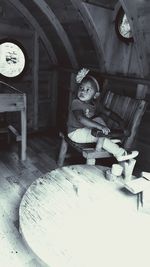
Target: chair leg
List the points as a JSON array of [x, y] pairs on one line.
[[90, 161], [62, 153]]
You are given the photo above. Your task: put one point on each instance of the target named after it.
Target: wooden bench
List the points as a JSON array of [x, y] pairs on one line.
[[129, 109]]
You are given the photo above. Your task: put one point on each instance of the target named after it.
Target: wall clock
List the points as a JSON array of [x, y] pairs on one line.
[[12, 59], [123, 27]]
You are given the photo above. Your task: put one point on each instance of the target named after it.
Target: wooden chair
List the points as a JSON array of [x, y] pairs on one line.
[[129, 109]]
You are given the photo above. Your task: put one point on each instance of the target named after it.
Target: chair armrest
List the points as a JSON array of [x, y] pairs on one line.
[[114, 133]]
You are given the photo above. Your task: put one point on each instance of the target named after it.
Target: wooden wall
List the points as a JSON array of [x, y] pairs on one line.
[[38, 81], [120, 58]]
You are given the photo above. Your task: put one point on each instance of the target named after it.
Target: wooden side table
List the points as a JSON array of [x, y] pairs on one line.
[[139, 186], [16, 102]]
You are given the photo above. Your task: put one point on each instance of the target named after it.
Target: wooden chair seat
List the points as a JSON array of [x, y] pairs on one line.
[[129, 109], [77, 146]]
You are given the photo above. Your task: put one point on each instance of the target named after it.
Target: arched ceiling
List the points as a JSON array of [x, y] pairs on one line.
[[72, 34], [34, 23], [65, 27]]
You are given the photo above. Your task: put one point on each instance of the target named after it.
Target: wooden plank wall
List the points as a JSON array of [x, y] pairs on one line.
[[122, 87], [39, 83], [120, 58]]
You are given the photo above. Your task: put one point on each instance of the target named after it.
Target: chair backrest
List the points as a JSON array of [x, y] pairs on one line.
[[130, 109]]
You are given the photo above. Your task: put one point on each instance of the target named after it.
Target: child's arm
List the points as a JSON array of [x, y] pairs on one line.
[[89, 122]]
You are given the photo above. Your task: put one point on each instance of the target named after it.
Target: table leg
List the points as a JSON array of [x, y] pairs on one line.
[[140, 200], [90, 161]]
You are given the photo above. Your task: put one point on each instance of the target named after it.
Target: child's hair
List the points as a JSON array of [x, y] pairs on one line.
[[93, 81]]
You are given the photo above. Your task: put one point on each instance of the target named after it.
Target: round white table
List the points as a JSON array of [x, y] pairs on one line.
[[74, 217]]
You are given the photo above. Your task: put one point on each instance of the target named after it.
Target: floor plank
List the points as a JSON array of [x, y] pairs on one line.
[[15, 178]]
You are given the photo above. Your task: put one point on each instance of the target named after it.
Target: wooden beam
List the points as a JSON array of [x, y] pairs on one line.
[[10, 88], [35, 80], [118, 77], [22, 9], [98, 3], [53, 99], [13, 130], [134, 80], [23, 131], [45, 8], [73, 88], [11, 102], [130, 8], [88, 21]]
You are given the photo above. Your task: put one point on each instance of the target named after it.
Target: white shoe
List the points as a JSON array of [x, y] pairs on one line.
[[131, 155]]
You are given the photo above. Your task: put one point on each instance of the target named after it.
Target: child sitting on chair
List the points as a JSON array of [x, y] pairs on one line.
[[81, 119]]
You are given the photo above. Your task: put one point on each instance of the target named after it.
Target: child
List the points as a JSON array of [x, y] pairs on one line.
[[81, 121]]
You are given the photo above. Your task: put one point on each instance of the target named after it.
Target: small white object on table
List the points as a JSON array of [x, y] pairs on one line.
[[138, 186]]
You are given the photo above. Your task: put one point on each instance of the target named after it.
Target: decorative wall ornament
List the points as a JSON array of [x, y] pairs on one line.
[[123, 27], [12, 59]]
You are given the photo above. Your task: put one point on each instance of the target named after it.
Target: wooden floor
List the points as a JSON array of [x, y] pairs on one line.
[[15, 178]]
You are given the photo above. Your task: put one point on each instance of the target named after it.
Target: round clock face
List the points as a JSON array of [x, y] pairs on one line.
[[12, 59], [123, 27]]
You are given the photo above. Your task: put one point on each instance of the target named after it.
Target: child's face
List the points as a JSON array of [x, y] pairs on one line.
[[86, 91]]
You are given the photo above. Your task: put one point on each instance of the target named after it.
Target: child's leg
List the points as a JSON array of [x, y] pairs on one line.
[[109, 146], [82, 135], [118, 152]]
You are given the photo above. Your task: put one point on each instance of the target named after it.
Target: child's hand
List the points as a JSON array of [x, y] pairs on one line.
[[81, 74], [89, 113], [105, 130]]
